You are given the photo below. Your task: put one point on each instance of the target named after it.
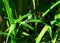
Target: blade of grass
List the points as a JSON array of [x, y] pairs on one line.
[[3, 33], [10, 17], [45, 28], [22, 17], [34, 4], [27, 25], [37, 21], [9, 11], [56, 35], [24, 23], [48, 10], [26, 34], [40, 21], [12, 27], [11, 20], [50, 31]]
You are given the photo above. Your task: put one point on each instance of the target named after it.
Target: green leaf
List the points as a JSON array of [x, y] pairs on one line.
[[11, 29], [22, 17], [9, 11], [26, 34], [48, 10], [57, 15], [3, 33], [53, 22], [30, 16], [27, 25], [45, 28], [50, 31], [37, 21], [56, 35]]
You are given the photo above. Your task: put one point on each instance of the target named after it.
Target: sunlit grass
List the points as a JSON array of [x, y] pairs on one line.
[[23, 22]]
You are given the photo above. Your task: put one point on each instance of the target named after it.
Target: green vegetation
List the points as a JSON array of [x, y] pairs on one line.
[[29, 21]]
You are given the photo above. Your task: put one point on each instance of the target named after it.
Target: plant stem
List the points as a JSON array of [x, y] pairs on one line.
[[56, 35], [48, 10]]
